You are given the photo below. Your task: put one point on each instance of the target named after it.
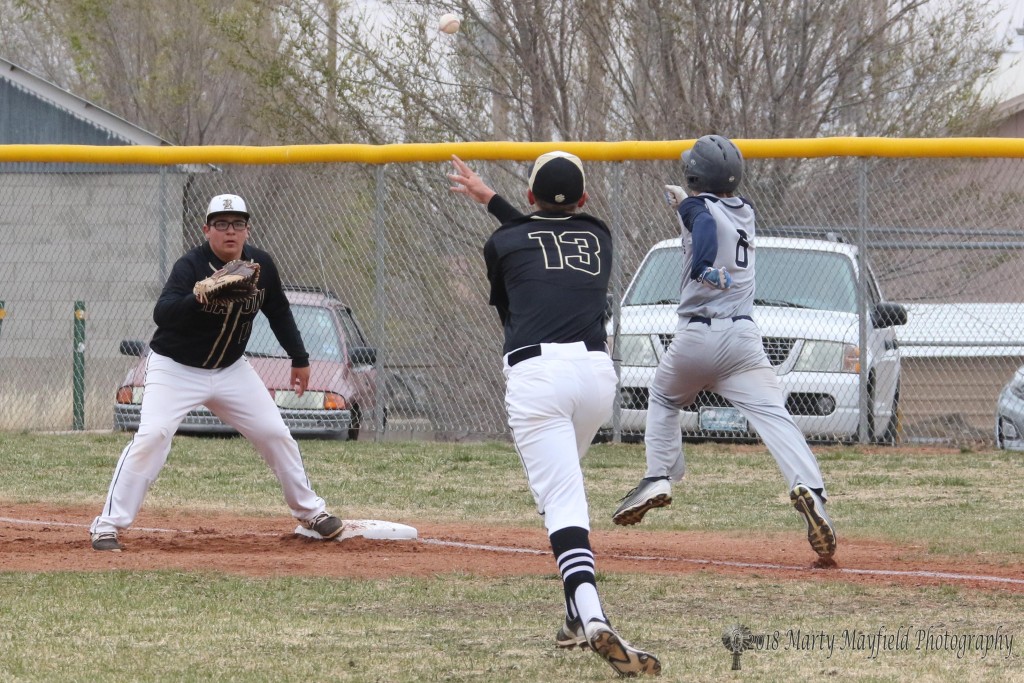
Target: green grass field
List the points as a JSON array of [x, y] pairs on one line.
[[176, 626]]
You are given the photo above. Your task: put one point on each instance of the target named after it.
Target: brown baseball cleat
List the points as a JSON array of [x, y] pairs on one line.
[[107, 541], [623, 657], [820, 532]]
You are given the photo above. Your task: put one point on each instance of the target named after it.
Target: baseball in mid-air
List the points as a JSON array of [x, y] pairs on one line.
[[449, 23]]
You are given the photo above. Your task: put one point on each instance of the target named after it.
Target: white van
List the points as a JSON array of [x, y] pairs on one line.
[[806, 307]]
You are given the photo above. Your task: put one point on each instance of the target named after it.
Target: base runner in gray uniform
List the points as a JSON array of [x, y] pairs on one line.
[[548, 274], [717, 345]]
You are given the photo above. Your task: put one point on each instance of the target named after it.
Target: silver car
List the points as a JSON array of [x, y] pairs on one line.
[[1010, 414], [806, 308]]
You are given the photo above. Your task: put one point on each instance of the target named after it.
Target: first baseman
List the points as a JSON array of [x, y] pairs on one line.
[[548, 274], [196, 359], [717, 345]]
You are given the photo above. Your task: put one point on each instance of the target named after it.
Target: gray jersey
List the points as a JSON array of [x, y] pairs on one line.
[[734, 221]]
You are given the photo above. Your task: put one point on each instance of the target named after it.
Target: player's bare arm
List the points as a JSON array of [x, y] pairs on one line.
[[467, 182]]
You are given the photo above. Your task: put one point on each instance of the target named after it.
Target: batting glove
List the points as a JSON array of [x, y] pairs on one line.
[[716, 278], [674, 196]]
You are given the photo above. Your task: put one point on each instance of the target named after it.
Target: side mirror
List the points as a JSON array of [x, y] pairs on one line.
[[133, 347], [362, 355], [888, 315]]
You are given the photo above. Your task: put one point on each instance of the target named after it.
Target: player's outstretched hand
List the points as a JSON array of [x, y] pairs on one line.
[[674, 196], [716, 278], [466, 181]]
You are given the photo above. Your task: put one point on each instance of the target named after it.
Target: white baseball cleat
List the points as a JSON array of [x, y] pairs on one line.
[[648, 494], [571, 635], [324, 524]]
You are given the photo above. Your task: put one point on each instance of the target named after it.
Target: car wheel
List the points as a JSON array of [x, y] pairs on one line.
[[871, 412], [891, 435], [357, 422], [357, 419]]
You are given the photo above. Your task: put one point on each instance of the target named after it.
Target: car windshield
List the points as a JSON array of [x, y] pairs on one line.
[[316, 325], [799, 278]]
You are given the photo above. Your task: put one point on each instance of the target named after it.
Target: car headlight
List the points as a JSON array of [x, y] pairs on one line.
[[637, 350], [828, 356], [310, 400], [1017, 390]]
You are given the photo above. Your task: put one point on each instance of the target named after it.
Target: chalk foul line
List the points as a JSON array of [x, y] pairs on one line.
[[904, 573]]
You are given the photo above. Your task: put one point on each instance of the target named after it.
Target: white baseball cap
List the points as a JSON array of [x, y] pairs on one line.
[[226, 203]]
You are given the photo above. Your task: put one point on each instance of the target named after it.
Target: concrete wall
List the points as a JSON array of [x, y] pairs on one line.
[[107, 239]]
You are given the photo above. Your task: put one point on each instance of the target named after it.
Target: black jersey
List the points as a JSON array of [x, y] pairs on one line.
[[214, 335], [549, 276]]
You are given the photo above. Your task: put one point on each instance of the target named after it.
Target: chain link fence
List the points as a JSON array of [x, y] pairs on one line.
[[86, 250]]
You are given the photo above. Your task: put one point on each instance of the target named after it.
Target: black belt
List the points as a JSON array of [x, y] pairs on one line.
[[532, 351], [707, 321]]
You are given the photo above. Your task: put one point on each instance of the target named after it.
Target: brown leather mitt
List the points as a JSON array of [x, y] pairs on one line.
[[236, 281]]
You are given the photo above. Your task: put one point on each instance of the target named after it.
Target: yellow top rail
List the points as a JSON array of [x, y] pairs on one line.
[[520, 151]]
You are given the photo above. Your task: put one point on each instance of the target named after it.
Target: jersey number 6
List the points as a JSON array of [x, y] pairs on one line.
[[742, 245]]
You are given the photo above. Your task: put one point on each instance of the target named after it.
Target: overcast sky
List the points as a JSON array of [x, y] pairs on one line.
[[1009, 82]]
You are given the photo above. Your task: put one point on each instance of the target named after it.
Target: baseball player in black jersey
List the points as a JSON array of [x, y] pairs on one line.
[[548, 274], [196, 359], [717, 345]]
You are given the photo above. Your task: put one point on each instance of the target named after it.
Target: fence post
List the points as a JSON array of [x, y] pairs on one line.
[[78, 368], [618, 239], [380, 267], [863, 209], [3, 313]]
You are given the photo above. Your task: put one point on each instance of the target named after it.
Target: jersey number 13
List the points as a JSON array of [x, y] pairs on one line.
[[579, 250]]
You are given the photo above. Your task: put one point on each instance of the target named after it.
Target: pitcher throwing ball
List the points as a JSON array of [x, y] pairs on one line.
[[196, 359], [717, 345]]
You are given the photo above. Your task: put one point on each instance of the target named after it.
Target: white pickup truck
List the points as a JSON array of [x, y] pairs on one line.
[[806, 307]]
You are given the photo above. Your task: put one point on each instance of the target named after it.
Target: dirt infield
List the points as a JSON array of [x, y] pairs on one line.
[[50, 538]]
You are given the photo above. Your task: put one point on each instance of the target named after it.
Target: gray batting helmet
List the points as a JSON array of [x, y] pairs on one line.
[[713, 164]]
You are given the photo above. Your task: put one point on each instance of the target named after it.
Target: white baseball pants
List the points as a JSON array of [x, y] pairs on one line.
[[556, 402], [236, 395]]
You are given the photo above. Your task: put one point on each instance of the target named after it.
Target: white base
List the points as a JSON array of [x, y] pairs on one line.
[[366, 528]]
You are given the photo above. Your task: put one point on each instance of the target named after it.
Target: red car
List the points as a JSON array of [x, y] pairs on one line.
[[342, 392]]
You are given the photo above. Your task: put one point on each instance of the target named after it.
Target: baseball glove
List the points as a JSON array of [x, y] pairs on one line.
[[236, 281]]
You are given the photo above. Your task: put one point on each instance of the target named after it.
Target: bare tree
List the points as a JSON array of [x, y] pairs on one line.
[[645, 69], [166, 66], [262, 71]]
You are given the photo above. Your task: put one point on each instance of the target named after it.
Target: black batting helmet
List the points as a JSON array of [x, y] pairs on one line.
[[713, 164]]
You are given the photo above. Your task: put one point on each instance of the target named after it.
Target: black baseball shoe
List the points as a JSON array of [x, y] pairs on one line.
[[328, 526], [820, 532], [571, 635], [648, 494], [106, 540], [623, 657]]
